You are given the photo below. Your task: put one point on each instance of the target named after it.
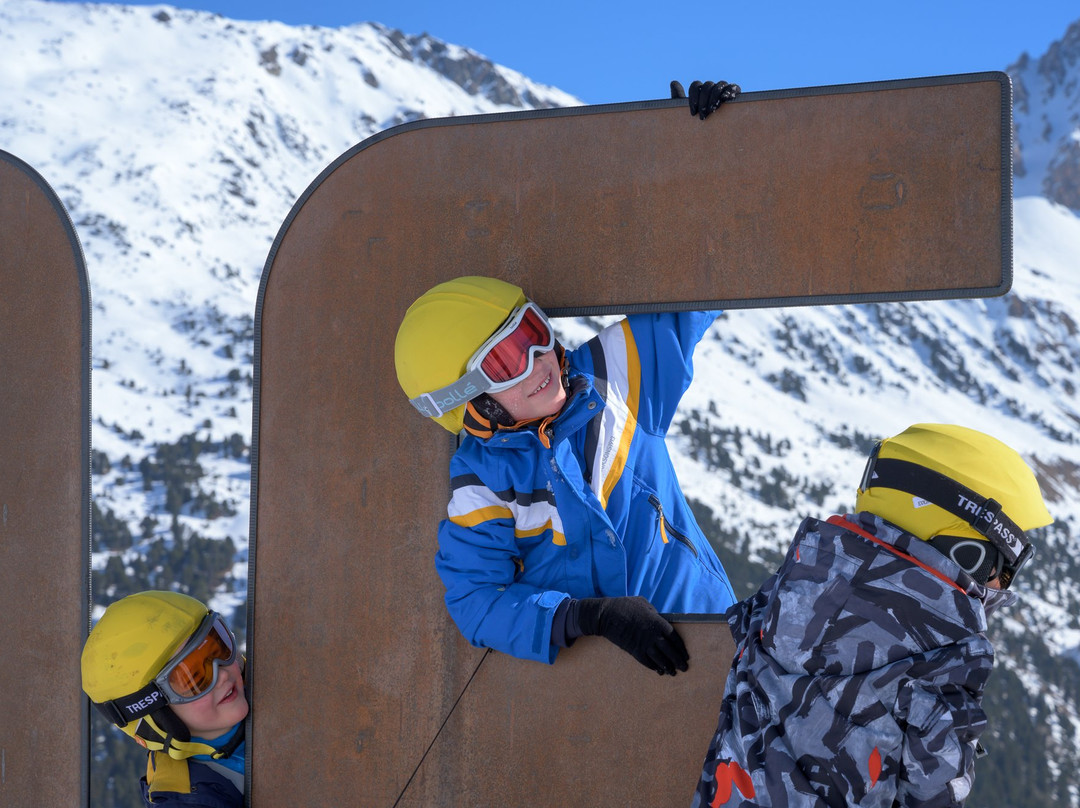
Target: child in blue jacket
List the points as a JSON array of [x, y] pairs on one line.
[[566, 517]]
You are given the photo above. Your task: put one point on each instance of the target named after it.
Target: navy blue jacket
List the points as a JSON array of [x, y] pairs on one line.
[[187, 783]]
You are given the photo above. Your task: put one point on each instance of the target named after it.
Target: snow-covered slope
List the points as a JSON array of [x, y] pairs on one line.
[[179, 140]]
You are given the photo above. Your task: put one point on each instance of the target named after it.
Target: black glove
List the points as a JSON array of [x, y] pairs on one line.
[[704, 97], [633, 624]]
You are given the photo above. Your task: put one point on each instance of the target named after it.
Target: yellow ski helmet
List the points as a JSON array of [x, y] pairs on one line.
[[129, 646], [442, 330], [943, 480]]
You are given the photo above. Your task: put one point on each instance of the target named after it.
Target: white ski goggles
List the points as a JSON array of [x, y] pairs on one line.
[[505, 358]]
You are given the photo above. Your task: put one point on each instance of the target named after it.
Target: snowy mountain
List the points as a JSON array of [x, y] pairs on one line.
[[179, 140], [1046, 117]]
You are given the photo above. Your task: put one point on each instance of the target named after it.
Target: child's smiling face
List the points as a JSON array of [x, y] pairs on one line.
[[539, 395], [219, 710]]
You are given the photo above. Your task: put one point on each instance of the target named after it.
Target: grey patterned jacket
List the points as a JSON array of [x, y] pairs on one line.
[[859, 672]]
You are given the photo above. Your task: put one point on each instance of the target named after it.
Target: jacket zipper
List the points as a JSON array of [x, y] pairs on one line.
[[666, 528]]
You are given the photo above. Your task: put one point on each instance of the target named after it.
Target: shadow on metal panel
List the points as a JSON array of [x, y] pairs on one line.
[[44, 494], [888, 191]]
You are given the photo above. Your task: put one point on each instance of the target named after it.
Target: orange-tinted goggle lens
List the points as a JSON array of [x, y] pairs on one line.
[[194, 674]]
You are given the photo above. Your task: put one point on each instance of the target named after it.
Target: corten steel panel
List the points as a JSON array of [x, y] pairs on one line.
[[529, 734], [900, 190], [44, 494]]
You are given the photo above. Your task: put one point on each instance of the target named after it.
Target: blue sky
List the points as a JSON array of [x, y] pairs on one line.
[[605, 52]]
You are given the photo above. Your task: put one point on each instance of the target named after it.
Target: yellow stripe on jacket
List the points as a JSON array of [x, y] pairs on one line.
[[472, 505]]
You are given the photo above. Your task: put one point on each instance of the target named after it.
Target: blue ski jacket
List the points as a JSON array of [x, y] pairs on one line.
[[587, 505]]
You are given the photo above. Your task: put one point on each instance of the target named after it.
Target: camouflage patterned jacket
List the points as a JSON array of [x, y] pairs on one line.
[[858, 677]]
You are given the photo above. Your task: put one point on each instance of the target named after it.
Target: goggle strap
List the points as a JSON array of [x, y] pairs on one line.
[[126, 709], [441, 401], [983, 514], [110, 711]]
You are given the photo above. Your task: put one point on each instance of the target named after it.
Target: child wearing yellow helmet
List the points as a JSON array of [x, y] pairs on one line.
[[860, 664], [566, 517], [165, 669]]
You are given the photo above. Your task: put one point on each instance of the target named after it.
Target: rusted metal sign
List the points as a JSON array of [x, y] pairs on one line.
[[44, 494], [897, 190]]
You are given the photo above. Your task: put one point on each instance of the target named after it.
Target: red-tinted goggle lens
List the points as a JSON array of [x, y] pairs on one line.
[[195, 673], [511, 356]]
